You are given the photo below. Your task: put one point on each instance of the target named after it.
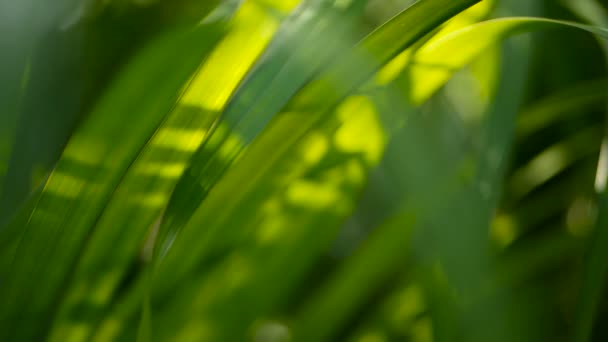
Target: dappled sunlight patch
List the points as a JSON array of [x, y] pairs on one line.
[[361, 131], [320, 182], [170, 170], [272, 206], [116, 125], [181, 139], [223, 143], [65, 185], [85, 298], [408, 304], [312, 180], [351, 172], [230, 238], [503, 230], [44, 215], [142, 194], [138, 199], [231, 146], [271, 230], [86, 151], [275, 222], [151, 200], [422, 331], [312, 195], [355, 172], [315, 148]]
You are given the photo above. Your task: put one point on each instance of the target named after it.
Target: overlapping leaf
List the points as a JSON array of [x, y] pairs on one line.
[[86, 176]]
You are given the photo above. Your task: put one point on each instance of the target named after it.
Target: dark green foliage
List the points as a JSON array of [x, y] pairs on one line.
[[323, 170]]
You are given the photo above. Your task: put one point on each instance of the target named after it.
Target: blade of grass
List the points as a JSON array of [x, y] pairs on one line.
[[552, 161], [297, 194], [354, 72], [181, 264], [145, 189], [434, 63], [595, 271], [428, 190], [434, 84], [371, 266], [560, 106], [72, 200], [291, 59]]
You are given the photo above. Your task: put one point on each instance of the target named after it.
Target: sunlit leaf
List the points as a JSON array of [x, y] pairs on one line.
[[312, 170], [90, 168]]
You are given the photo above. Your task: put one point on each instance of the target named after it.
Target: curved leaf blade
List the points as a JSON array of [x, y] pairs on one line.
[[89, 170]]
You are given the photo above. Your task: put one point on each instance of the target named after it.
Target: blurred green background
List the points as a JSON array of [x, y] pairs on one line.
[[315, 170]]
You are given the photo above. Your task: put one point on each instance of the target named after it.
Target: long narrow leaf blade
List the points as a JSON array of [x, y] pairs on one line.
[[90, 168]]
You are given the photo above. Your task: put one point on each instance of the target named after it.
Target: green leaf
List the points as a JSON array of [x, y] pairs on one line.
[[289, 203], [290, 60], [595, 271], [561, 106], [87, 174], [141, 197], [212, 239], [553, 160], [194, 186], [350, 287], [440, 74], [225, 205], [69, 64], [434, 64]]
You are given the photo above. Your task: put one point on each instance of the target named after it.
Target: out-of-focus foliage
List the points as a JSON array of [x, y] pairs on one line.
[[315, 170]]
